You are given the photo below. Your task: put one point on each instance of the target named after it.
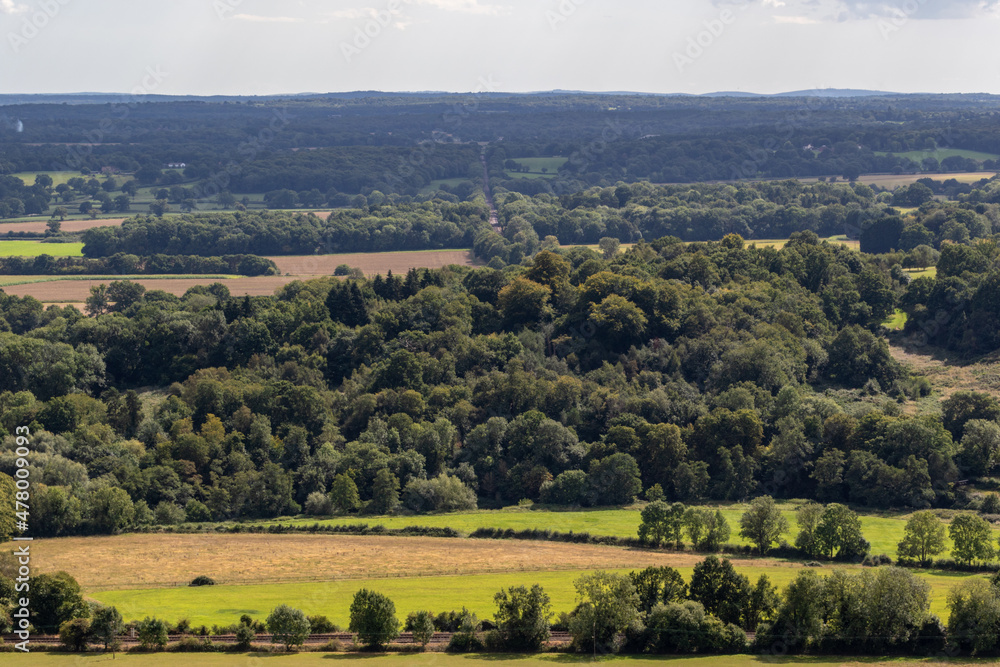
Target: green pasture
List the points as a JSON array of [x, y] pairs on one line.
[[941, 154], [536, 164], [59, 177], [884, 531], [896, 322], [923, 273], [456, 660], [224, 604], [36, 248]]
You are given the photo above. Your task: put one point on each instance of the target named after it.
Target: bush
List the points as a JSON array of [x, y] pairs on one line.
[[321, 625], [202, 581], [443, 493], [75, 634], [168, 514], [876, 561], [152, 634], [245, 636], [197, 512], [421, 624], [466, 638], [192, 645], [318, 504]]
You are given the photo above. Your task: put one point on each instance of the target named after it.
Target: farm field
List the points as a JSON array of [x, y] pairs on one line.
[[884, 531], [941, 154], [372, 263], [77, 290], [778, 244], [39, 226], [892, 181], [36, 248], [222, 604], [60, 177], [451, 660], [161, 560]]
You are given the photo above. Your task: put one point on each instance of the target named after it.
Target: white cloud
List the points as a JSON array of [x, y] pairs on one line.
[[796, 20], [464, 6], [844, 10], [266, 19], [11, 7]]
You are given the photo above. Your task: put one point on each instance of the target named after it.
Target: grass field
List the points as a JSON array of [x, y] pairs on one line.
[[452, 660], [60, 177], [941, 154], [883, 531], [896, 322], [551, 165], [854, 244], [36, 248], [891, 181], [223, 604]]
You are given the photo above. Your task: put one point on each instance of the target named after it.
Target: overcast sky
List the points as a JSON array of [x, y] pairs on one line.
[[689, 46]]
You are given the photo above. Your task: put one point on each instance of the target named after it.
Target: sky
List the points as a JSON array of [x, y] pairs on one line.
[[263, 47]]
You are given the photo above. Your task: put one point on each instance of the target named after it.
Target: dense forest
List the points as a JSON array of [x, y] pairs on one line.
[[326, 149], [715, 370]]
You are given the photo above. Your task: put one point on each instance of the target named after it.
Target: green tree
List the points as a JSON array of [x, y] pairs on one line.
[[974, 623], [980, 448], [344, 494], [614, 480], [385, 493], [658, 585], [152, 633], [111, 510], [523, 302], [74, 634], [720, 589], [923, 537], [972, 539], [607, 609], [97, 302], [522, 619], [838, 533], [55, 599], [288, 626], [421, 624], [708, 530], [763, 524], [609, 247], [106, 626], [7, 516], [762, 603], [373, 618]]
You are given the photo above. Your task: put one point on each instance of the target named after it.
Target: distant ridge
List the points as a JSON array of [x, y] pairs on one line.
[[110, 98]]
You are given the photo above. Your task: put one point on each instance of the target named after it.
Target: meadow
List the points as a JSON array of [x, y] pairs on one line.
[[778, 244], [37, 248], [941, 154], [452, 660], [551, 165], [884, 531]]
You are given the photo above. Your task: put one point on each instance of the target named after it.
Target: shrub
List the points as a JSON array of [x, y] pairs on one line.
[[443, 493], [152, 633], [466, 638], [168, 514], [75, 634], [245, 636], [318, 504], [202, 581], [421, 624], [321, 625]]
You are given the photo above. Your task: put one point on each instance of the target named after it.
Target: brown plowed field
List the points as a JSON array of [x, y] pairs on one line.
[[63, 291], [154, 560], [372, 263], [38, 227]]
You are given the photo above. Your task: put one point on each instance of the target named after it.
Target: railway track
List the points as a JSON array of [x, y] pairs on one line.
[[344, 637]]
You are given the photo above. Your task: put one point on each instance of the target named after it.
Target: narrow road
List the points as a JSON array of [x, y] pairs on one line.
[[494, 217]]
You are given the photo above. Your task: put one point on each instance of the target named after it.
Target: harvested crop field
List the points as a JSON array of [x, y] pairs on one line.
[[163, 560], [39, 226], [71, 291], [373, 263]]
